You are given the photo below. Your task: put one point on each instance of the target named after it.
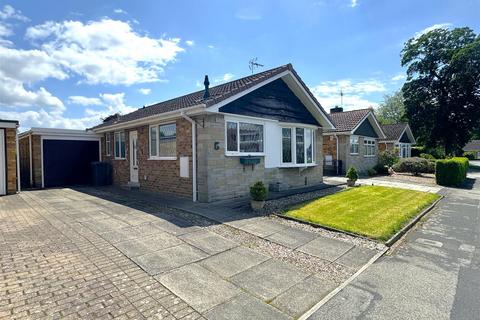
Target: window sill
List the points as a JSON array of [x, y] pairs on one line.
[[289, 165], [372, 156], [258, 154], [119, 158], [163, 158], [354, 154]]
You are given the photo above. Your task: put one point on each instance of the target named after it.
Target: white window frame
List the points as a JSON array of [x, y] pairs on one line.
[[408, 149], [238, 152], [369, 144], [354, 137], [158, 157], [294, 163], [108, 144], [115, 141]]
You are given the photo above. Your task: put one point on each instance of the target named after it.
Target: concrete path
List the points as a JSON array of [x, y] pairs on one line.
[[433, 274], [386, 183]]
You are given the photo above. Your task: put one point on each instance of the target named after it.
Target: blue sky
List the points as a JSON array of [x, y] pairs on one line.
[[69, 63]]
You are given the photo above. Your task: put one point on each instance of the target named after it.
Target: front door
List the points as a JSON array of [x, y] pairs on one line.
[[3, 184], [133, 156]]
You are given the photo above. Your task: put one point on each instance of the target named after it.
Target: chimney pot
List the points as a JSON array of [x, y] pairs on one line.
[[337, 109]]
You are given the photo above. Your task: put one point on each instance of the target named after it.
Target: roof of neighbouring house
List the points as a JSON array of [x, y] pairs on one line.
[[393, 131], [473, 145], [217, 94], [348, 120]]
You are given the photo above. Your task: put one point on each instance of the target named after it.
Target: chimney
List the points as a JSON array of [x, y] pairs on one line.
[[337, 109], [206, 94]]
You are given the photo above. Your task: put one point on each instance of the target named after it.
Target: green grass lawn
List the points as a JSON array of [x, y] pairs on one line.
[[372, 211]]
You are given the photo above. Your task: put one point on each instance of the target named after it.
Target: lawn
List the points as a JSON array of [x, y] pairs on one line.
[[372, 211]]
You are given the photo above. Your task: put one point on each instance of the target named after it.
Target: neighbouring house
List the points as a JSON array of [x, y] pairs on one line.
[[353, 142], [57, 157], [399, 137], [215, 143], [8, 157], [473, 146]]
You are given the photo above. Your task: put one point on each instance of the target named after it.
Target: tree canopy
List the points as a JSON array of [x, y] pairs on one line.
[[442, 91], [392, 109]]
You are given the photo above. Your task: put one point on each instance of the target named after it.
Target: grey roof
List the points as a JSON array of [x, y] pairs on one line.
[[473, 145], [393, 131], [217, 94], [348, 120]]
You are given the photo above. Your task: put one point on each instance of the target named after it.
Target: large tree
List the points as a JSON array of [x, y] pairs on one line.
[[392, 109], [442, 91]]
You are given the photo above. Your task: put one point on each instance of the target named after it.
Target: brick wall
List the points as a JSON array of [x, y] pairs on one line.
[[359, 161], [11, 159], [24, 151], [155, 175], [221, 177], [36, 160]]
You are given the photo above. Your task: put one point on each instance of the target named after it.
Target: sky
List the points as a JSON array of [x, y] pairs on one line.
[[68, 64]]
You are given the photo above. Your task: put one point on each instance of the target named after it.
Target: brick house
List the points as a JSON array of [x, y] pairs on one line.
[[215, 143], [353, 142], [8, 157], [398, 137]]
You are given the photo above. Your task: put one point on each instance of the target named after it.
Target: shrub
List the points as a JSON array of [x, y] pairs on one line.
[[380, 169], [427, 156], [372, 172], [451, 172], [413, 165], [387, 158], [352, 174], [469, 155], [258, 191]]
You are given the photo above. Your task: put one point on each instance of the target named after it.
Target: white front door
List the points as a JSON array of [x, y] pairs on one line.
[[133, 156], [3, 167]]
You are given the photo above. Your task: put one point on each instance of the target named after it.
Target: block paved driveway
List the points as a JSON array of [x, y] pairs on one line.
[[105, 253]]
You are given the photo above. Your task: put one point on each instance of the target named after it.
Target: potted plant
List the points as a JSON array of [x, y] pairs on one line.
[[258, 194], [352, 176]]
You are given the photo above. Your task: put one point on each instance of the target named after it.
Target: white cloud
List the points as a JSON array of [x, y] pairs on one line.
[[225, 78], [5, 31], [8, 12], [354, 93], [190, 43], [210, 46], [106, 51], [399, 77], [145, 91], [84, 101], [433, 27], [353, 3], [13, 94], [120, 11]]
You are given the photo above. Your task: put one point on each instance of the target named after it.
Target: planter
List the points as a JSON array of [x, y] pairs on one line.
[[351, 183], [257, 205]]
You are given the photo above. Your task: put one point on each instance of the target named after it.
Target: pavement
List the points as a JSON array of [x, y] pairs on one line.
[[112, 253], [434, 273]]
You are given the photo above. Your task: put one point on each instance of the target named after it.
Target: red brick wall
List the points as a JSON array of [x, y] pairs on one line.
[[24, 150], [155, 175], [36, 160], [330, 146], [11, 159]]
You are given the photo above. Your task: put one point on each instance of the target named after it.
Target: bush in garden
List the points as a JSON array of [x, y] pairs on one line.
[[352, 174], [258, 191], [372, 172], [470, 155], [451, 172], [413, 165], [427, 156], [387, 158]]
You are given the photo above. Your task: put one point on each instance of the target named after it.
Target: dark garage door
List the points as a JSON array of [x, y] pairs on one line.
[[67, 162]]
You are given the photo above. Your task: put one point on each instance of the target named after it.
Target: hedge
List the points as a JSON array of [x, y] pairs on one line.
[[451, 172], [415, 165]]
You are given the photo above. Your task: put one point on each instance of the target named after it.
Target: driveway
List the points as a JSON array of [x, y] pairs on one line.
[[108, 253]]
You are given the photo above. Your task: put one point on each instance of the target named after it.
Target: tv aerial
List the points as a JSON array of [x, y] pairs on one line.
[[253, 64]]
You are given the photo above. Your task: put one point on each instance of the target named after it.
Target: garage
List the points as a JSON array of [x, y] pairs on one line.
[[57, 157]]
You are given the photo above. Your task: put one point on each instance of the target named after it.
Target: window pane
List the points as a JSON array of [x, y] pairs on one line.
[[153, 142], [286, 145], [232, 143], [309, 145], [117, 145], [168, 140], [122, 145], [251, 137], [300, 148]]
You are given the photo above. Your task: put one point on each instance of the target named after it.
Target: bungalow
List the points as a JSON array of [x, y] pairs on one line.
[[215, 143], [399, 137], [353, 142], [473, 146], [8, 157]]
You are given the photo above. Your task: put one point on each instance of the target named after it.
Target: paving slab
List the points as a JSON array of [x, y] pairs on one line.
[[292, 237], [170, 258], [233, 261], [199, 287], [269, 279], [244, 306], [326, 248], [356, 257], [262, 227], [160, 240], [132, 248], [116, 236], [176, 226], [208, 241], [304, 295]]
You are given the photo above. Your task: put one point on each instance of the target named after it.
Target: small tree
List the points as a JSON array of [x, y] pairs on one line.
[[258, 191], [388, 158], [352, 174]]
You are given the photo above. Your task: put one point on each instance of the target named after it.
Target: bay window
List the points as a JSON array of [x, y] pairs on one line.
[[119, 141], [298, 146], [163, 141], [244, 138], [369, 147], [353, 144]]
